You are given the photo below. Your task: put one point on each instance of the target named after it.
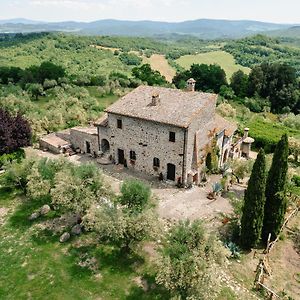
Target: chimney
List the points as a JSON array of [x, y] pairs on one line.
[[246, 132], [190, 85], [155, 99]]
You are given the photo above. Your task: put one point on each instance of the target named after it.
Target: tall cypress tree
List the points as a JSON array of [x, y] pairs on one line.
[[275, 206], [253, 210]]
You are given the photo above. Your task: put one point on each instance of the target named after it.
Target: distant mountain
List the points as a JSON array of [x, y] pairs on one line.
[[202, 28], [20, 21], [292, 32]]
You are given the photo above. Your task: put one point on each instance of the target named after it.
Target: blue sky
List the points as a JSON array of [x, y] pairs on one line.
[[280, 11]]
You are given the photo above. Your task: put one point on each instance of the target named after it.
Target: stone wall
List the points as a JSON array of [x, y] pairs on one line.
[[149, 140], [79, 138], [200, 127]]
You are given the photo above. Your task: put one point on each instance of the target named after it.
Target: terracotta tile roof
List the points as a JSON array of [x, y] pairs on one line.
[[175, 107], [102, 121], [221, 124], [88, 130], [54, 140]]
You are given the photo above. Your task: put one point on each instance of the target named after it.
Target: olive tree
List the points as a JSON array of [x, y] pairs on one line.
[[77, 188], [118, 226], [189, 261]]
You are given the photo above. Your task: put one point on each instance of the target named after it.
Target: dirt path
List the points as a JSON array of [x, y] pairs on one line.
[[158, 62]]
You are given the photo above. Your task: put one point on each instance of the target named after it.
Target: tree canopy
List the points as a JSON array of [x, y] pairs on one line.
[[208, 77], [146, 74], [15, 132], [188, 261], [278, 83]]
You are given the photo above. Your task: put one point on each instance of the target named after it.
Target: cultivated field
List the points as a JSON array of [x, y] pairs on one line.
[[158, 62], [222, 58]]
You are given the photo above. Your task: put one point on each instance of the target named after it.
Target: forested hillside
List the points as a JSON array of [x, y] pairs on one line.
[[61, 81]]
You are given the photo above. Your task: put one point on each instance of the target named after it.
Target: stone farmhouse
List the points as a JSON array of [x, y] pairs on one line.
[[163, 132]]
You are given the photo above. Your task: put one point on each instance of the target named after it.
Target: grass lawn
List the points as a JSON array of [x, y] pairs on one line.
[[222, 58], [34, 265], [159, 63]]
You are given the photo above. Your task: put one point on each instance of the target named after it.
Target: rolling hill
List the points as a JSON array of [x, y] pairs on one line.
[[202, 28], [292, 32]]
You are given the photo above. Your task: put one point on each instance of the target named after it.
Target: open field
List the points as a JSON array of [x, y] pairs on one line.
[[222, 58], [158, 62], [34, 265], [105, 48]]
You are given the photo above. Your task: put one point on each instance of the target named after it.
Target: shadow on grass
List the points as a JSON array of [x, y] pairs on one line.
[[20, 218], [81, 254], [7, 194], [44, 237], [153, 291], [105, 257], [118, 260]]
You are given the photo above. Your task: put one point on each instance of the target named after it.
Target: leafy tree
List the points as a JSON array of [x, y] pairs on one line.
[[10, 74], [275, 206], [278, 82], [254, 202], [239, 83], [135, 195], [36, 186], [48, 84], [98, 80], [17, 173], [49, 70], [16, 156], [181, 78], [226, 110], [35, 89], [77, 188], [130, 59], [189, 262], [241, 168], [226, 92], [120, 227], [15, 132], [146, 74], [208, 77], [42, 176]]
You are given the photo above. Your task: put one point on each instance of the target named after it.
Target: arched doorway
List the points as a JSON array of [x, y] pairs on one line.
[[105, 146]]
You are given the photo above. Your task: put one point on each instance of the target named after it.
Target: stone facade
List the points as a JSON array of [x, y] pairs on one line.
[[85, 139], [148, 140], [166, 133], [153, 144]]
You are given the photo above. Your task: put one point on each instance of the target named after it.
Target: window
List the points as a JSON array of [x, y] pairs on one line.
[[156, 162], [132, 155], [172, 136], [119, 124]]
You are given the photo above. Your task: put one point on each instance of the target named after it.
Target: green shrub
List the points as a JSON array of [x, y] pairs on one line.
[[135, 194], [130, 59], [15, 156], [296, 180]]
